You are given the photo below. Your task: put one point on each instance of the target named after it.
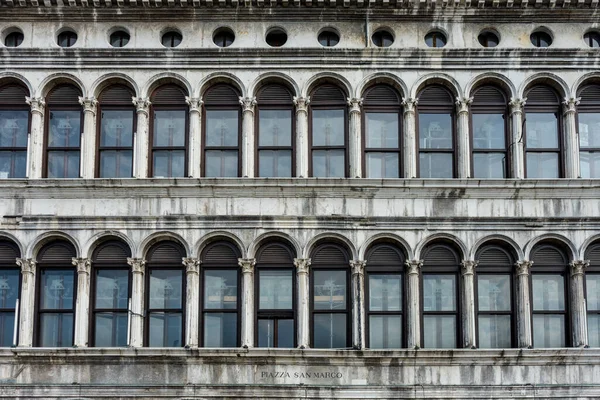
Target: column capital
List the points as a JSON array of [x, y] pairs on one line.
[[247, 265], [523, 267], [409, 104], [301, 103], [468, 267], [516, 105], [90, 104], [83, 265], [142, 104], [195, 103], [248, 104], [27, 265], [578, 267], [413, 267], [37, 104], [462, 104], [358, 267], [355, 104], [302, 265], [570, 105], [138, 265], [192, 265]]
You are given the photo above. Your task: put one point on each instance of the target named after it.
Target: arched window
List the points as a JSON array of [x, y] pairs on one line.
[[382, 138], [436, 126], [588, 113], [543, 141], [488, 129], [592, 286], [385, 297], [275, 127], [64, 126], [10, 291], [330, 297], [222, 140], [57, 285], [220, 308], [495, 298], [276, 294], [328, 132], [116, 125], [550, 303], [441, 296], [111, 279], [169, 138], [14, 128], [165, 295]]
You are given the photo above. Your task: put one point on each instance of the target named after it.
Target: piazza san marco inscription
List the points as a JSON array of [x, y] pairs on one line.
[[300, 375]]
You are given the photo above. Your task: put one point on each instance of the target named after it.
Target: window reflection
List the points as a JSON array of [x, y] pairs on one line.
[[329, 290], [165, 307], [328, 130], [220, 307], [275, 289], [14, 126], [548, 296], [56, 307], [494, 301], [275, 143], [439, 295], [9, 293], [222, 141], [63, 144], [116, 144], [382, 132], [592, 285], [489, 146], [589, 144], [436, 158], [168, 158]]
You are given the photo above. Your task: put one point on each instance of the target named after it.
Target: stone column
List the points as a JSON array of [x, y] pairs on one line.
[[571, 138], [248, 104], [247, 265], [413, 311], [524, 333], [26, 301], [141, 151], [35, 152], [82, 305], [192, 300], [358, 303], [468, 306], [463, 152], [355, 142], [303, 324], [88, 139], [302, 144], [136, 314], [409, 145], [516, 148], [578, 304], [195, 138]]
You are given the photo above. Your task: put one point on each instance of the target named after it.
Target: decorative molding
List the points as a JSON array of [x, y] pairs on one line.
[[84, 265], [462, 105], [90, 104], [142, 104], [248, 104], [409, 104], [358, 267], [355, 104], [578, 267], [138, 265], [570, 105], [37, 104], [247, 265], [523, 267], [192, 265], [27, 265], [301, 104], [302, 265], [195, 104], [413, 267], [517, 105], [468, 267]]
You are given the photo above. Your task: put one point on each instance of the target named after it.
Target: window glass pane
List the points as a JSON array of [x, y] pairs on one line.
[[548, 292], [542, 165], [329, 290], [594, 330], [439, 292], [14, 128], [220, 330], [493, 292], [590, 164], [548, 330], [13, 164], [495, 332], [592, 286], [65, 129], [385, 292], [589, 130], [57, 289], [329, 163], [112, 288], [383, 165], [275, 163], [9, 287], [110, 329], [117, 128], [328, 127], [439, 331], [276, 290], [56, 330], [435, 131], [169, 128], [385, 331], [222, 128], [220, 289], [329, 331], [285, 333], [266, 333], [221, 163], [488, 131], [275, 128], [489, 165], [63, 164], [542, 130], [7, 326], [436, 165], [165, 329], [381, 130], [116, 164], [168, 163], [166, 288]]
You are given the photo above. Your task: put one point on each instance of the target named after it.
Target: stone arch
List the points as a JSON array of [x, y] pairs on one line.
[[12, 238], [17, 78], [381, 78], [142, 250], [552, 80], [220, 77], [385, 236], [265, 237], [550, 236], [47, 237], [586, 244], [53, 80], [219, 235], [273, 77], [165, 78], [497, 238], [494, 78], [99, 238], [112, 79], [591, 77], [440, 236], [440, 79], [332, 236], [330, 77]]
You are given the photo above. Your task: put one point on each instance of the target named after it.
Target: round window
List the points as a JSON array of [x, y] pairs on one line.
[[328, 38], [223, 37], [488, 39], [66, 38], [14, 39], [435, 39], [592, 39], [540, 39], [382, 38], [171, 39], [119, 39], [276, 37]]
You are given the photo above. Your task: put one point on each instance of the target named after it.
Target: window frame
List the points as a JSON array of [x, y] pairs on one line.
[[586, 108], [592, 269], [5, 265], [22, 107]]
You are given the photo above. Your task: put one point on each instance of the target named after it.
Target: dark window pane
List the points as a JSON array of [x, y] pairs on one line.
[[542, 131], [119, 39], [222, 128], [382, 39], [171, 39], [329, 163], [117, 128], [112, 288], [275, 163], [67, 39], [330, 331], [220, 289], [542, 165], [110, 329], [56, 330], [494, 292], [169, 128], [266, 333], [285, 333], [13, 128], [276, 38], [65, 129], [382, 130], [329, 290], [223, 38], [548, 292], [594, 330], [488, 131], [495, 332], [14, 39], [328, 127], [63, 164], [385, 292], [116, 164], [221, 163], [592, 286], [7, 328], [169, 163], [439, 331], [9, 287], [166, 287], [13, 164], [435, 131], [548, 330], [220, 330], [275, 128], [328, 38], [489, 165], [436, 165], [57, 289], [276, 290], [165, 329], [382, 165], [439, 292], [385, 331]]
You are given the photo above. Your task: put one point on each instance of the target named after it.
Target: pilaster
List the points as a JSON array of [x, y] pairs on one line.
[[136, 313], [247, 265], [354, 143], [468, 307], [302, 279], [82, 305], [35, 150], [88, 139], [248, 104], [195, 136], [141, 138], [192, 313], [463, 142], [409, 144], [516, 147], [525, 338], [301, 104], [358, 303], [571, 138], [578, 305], [27, 301], [413, 312]]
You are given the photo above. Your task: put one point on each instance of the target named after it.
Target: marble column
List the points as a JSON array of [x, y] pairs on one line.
[[141, 138], [358, 303], [302, 144], [26, 301], [195, 136], [355, 142], [524, 332], [248, 105], [247, 265], [136, 314], [303, 324], [409, 145], [571, 138], [192, 300], [516, 147], [578, 304], [463, 152], [413, 311], [82, 305], [88, 139], [35, 151], [468, 305]]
